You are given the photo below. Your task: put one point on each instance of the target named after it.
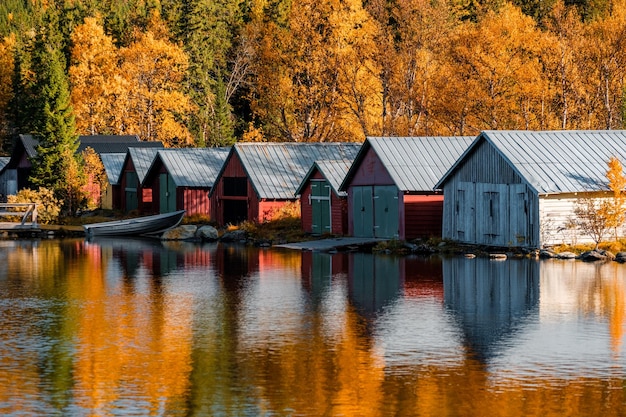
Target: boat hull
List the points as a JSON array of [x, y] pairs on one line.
[[147, 225]]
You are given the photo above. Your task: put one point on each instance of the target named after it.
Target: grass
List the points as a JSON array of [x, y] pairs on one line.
[[281, 230]]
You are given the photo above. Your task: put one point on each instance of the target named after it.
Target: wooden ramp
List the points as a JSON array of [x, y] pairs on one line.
[[331, 243]]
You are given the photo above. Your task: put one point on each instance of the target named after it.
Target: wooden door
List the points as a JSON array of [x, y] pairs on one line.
[[386, 220], [320, 207], [362, 212]]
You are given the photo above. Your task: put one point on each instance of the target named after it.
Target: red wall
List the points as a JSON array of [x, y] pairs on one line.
[[233, 168], [371, 171], [423, 215], [193, 200]]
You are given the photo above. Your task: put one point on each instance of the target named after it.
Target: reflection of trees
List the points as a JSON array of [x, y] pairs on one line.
[[248, 342]]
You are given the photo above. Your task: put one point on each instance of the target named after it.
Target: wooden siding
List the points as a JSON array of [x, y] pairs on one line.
[[194, 200], [485, 165], [557, 212], [422, 216], [487, 203], [371, 171], [233, 168], [490, 214]]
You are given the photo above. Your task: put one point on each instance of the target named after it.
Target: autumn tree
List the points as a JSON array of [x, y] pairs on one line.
[[96, 178], [604, 63], [155, 106], [591, 217], [495, 74], [616, 206], [306, 69], [7, 50], [408, 55], [562, 67], [92, 77]]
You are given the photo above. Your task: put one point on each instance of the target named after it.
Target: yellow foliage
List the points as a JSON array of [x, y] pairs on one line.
[[48, 207]]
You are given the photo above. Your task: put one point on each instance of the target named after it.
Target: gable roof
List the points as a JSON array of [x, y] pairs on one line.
[[551, 162], [276, 169], [192, 167], [415, 163], [333, 170], [114, 143], [99, 143], [142, 159], [113, 163], [4, 160]]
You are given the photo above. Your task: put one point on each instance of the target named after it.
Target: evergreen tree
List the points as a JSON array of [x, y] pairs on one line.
[[56, 165], [208, 29]]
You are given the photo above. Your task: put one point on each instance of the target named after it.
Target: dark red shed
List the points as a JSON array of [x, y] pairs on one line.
[[259, 179], [323, 208], [391, 183]]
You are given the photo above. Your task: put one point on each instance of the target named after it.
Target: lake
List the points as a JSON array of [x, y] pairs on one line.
[[143, 328]]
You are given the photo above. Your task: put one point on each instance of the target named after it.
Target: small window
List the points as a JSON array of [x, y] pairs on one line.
[[235, 186]]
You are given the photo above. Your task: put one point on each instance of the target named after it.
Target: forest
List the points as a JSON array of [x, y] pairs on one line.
[[213, 72]]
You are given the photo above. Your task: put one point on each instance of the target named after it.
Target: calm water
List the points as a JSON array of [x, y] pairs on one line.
[[135, 328]]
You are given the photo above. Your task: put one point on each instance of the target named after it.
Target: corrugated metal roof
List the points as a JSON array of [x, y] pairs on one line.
[[333, 170], [4, 160], [563, 161], [113, 163], [142, 159], [114, 143], [276, 169], [415, 163], [30, 145], [99, 143], [193, 167]]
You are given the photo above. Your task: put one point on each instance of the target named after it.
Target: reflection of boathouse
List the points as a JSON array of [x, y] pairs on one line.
[[489, 298]]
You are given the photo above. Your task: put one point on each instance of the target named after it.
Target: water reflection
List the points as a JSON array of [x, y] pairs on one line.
[[138, 327], [490, 300]]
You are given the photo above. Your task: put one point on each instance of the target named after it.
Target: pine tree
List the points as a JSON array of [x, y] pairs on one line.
[[56, 165], [209, 29]]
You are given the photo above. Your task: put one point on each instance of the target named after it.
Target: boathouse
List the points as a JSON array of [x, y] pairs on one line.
[[181, 179], [15, 175], [391, 186], [323, 208], [134, 169], [520, 188], [112, 162], [259, 179]]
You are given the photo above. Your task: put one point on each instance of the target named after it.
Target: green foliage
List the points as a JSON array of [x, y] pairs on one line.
[[56, 165], [48, 206]]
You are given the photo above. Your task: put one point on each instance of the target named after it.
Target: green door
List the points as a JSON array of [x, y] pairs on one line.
[[167, 193], [362, 212], [132, 181], [320, 207], [386, 212]]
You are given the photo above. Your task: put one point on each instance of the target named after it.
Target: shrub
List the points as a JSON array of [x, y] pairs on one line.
[[48, 206]]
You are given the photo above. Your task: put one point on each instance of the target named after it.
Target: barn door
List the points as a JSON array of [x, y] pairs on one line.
[[362, 212], [167, 195], [464, 220], [320, 207], [386, 212], [520, 214]]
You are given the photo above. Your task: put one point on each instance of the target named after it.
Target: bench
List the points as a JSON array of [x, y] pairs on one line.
[[23, 210]]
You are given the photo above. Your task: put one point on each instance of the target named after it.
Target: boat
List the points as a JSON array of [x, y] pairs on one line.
[[136, 226]]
